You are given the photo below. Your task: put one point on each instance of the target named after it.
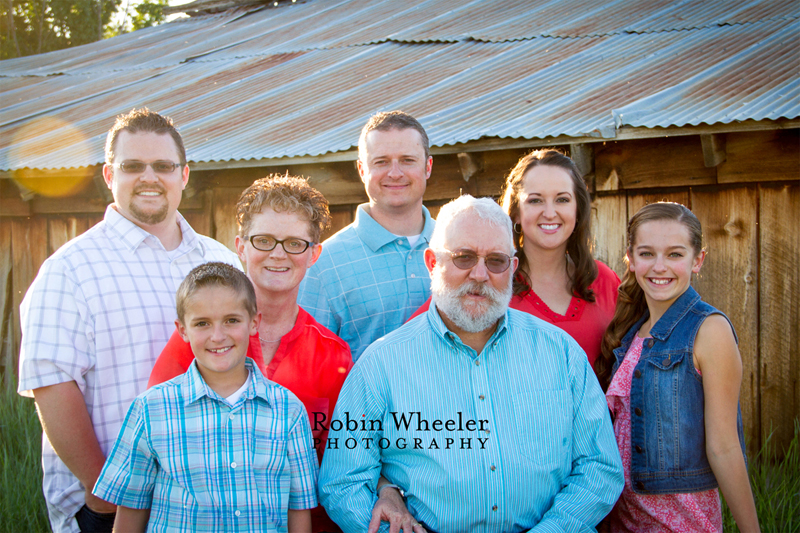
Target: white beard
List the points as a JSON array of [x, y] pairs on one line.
[[449, 301]]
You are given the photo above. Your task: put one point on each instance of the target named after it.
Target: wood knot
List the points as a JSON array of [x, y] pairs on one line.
[[733, 228]]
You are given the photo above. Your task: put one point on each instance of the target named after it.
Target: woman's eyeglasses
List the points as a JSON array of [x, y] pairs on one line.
[[267, 243]]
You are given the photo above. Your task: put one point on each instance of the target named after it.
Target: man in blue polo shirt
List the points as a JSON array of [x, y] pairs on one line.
[[371, 276]]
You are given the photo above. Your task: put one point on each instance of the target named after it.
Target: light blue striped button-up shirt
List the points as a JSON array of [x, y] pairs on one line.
[[201, 464], [515, 438], [367, 282]]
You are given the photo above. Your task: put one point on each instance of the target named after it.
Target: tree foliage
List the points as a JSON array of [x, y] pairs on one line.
[[37, 26]]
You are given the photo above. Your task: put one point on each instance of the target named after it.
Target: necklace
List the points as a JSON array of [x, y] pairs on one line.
[[263, 341]]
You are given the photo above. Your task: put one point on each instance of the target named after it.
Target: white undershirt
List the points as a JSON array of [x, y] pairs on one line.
[[412, 239], [236, 395]]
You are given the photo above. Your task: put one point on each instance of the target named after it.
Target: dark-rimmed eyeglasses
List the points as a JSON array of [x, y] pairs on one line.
[[496, 262], [137, 167], [291, 245]]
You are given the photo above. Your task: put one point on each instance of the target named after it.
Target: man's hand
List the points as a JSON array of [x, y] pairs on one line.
[[391, 508]]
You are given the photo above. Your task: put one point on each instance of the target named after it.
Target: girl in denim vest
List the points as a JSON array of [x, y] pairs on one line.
[[671, 369]]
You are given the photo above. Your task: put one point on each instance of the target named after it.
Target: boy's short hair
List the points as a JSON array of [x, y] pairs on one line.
[[216, 275], [284, 194]]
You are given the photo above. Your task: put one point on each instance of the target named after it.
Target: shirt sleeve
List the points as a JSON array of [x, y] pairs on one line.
[[302, 463], [128, 478], [56, 332], [349, 474], [596, 480]]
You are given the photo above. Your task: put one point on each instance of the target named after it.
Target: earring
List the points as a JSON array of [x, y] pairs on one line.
[[517, 228]]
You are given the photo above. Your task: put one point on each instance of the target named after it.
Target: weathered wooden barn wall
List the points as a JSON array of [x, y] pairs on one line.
[[744, 188]]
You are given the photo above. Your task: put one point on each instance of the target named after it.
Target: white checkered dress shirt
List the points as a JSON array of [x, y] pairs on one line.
[[98, 313]]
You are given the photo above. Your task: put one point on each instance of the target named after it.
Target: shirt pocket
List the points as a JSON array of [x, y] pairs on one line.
[[544, 421], [271, 472]]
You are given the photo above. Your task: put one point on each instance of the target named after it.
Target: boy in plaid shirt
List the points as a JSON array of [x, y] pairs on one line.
[[219, 448]]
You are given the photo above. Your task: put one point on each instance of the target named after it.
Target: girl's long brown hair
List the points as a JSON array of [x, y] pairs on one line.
[[578, 244], [631, 303]]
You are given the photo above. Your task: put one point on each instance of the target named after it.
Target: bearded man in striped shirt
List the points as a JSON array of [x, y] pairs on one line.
[[482, 418]]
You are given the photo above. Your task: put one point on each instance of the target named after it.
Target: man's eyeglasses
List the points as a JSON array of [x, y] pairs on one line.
[[266, 243], [137, 167], [496, 263]]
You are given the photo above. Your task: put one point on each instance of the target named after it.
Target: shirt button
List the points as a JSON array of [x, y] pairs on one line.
[[482, 397], [639, 485], [650, 343], [231, 417], [413, 275], [487, 431], [477, 363], [233, 465], [238, 513], [638, 411], [494, 507], [665, 362], [492, 468], [637, 374], [638, 448]]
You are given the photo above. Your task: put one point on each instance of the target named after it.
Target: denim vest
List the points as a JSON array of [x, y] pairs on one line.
[[668, 438]]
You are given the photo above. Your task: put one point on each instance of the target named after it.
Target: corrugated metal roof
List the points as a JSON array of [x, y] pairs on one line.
[[301, 79]]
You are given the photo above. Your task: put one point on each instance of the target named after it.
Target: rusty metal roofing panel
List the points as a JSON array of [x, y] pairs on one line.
[[288, 82]]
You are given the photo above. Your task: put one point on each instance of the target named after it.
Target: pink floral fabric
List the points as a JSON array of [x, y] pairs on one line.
[[681, 513]]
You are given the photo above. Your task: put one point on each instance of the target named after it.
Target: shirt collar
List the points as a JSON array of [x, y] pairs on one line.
[[685, 302], [132, 236], [441, 330], [196, 386], [376, 236]]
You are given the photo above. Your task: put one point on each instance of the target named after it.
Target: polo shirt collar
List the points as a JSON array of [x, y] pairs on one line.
[[376, 236]]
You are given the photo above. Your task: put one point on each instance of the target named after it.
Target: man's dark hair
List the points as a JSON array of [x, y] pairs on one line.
[[143, 120], [216, 275]]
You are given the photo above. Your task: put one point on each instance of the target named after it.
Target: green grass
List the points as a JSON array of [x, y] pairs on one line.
[[776, 484], [776, 488], [22, 506]]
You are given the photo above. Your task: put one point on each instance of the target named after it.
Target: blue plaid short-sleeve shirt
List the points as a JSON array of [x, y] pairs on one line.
[[201, 464]]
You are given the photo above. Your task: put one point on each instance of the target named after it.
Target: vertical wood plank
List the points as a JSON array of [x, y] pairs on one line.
[[780, 311], [341, 216], [609, 220], [6, 305], [729, 282], [59, 231], [28, 252], [200, 219], [224, 209]]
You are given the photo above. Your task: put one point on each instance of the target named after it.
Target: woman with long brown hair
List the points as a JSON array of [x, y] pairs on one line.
[[558, 280]]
